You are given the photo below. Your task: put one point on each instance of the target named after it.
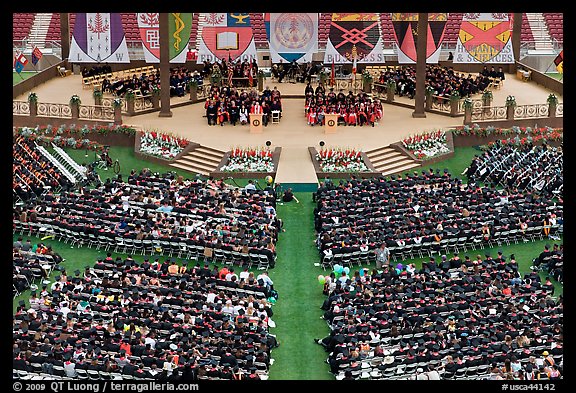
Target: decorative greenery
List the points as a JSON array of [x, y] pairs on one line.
[[391, 85], [161, 145], [510, 101], [546, 133], [155, 90], [430, 91], [75, 100], [487, 95], [129, 95], [468, 103], [193, 83], [32, 98], [367, 76], [454, 96], [117, 102], [97, 93], [552, 99], [72, 130]]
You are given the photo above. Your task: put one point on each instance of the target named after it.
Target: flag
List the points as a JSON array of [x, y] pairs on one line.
[[559, 61], [230, 74], [354, 63], [250, 79], [19, 62], [36, 55], [333, 74]]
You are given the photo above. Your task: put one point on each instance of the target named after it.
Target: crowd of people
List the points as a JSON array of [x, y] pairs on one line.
[[98, 69], [421, 208], [33, 173], [147, 320], [205, 214], [444, 321], [527, 168], [233, 106], [443, 80], [352, 109]]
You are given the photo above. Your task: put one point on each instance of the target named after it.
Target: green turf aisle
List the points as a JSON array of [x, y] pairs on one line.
[[297, 312]]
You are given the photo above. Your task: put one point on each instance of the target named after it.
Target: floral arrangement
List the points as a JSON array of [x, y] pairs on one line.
[[75, 100], [257, 159], [72, 130], [61, 140], [161, 145], [475, 130], [341, 160], [510, 101], [518, 141], [552, 99], [32, 97], [427, 144]]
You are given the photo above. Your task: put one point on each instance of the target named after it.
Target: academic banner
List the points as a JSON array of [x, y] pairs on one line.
[[406, 36], [484, 38], [227, 36], [292, 36], [348, 31], [179, 26], [98, 37]]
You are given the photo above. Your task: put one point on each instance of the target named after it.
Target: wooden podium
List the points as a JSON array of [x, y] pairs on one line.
[[256, 123], [330, 123]]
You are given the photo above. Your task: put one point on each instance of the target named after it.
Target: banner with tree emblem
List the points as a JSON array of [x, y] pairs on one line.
[[98, 38], [484, 38], [292, 36], [227, 36], [354, 30], [406, 36]]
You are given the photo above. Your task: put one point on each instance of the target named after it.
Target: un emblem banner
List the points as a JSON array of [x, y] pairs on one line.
[[484, 38]]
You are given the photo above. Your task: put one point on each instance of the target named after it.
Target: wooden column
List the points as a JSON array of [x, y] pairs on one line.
[[421, 65], [516, 41], [164, 67], [65, 34]]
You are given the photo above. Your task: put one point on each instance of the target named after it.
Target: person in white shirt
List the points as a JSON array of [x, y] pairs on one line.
[[250, 185], [244, 274], [267, 280]]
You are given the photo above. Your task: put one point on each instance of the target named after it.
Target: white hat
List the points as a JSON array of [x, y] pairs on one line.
[[388, 359], [419, 370]]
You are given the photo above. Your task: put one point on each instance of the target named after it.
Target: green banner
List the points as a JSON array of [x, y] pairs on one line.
[[179, 27]]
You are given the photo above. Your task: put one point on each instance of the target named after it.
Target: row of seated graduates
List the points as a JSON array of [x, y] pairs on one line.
[[145, 82], [32, 262], [158, 207], [96, 70], [481, 315], [353, 108], [530, 168], [32, 171], [231, 105], [444, 80], [418, 208], [124, 316]]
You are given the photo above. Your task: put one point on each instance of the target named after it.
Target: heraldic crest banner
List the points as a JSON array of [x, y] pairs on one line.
[[484, 38], [179, 26], [406, 36], [98, 38], [354, 30], [226, 36], [292, 36]]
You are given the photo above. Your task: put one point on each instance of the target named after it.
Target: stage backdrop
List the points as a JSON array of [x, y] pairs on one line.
[[354, 30], [226, 36], [179, 27], [406, 36], [292, 36], [484, 38], [98, 38]]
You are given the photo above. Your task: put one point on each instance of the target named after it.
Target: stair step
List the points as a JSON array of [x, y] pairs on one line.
[[398, 169], [210, 150], [205, 156], [385, 160], [190, 168], [385, 154], [199, 163]]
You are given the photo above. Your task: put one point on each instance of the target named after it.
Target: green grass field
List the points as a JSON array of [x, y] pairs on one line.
[[297, 311], [17, 78]]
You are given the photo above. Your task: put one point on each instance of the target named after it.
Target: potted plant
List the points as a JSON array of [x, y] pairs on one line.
[[552, 101], [454, 99], [390, 89], [117, 105], [322, 77], [429, 93], [129, 96], [486, 98], [75, 106], [155, 93], [97, 94], [261, 78], [468, 104], [193, 87], [216, 76], [367, 80], [33, 103], [510, 105]]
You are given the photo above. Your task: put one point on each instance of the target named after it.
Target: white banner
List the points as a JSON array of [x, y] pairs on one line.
[[293, 36], [98, 38]]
